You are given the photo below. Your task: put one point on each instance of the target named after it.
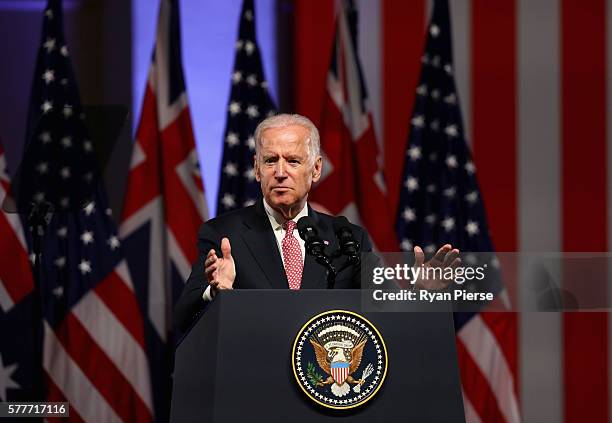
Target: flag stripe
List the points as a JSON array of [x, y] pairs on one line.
[[494, 143], [461, 25], [100, 370], [584, 191], [119, 346], [83, 396], [609, 186], [471, 415], [403, 29], [479, 341], [121, 301], [54, 394], [539, 201], [480, 394], [15, 270]]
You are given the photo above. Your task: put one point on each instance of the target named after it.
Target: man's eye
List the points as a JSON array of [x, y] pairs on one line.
[[270, 161]]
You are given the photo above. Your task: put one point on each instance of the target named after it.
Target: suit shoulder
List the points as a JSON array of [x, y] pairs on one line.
[[229, 219]]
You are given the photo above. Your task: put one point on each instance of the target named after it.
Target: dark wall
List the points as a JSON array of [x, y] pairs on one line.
[[98, 34]]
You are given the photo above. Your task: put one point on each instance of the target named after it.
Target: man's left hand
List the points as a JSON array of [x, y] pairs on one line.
[[447, 256]]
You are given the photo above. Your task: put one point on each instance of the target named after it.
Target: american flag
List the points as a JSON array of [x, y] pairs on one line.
[[250, 102], [92, 344], [352, 182], [440, 203], [164, 201]]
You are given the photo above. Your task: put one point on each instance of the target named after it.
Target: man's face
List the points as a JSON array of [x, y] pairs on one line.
[[285, 169]]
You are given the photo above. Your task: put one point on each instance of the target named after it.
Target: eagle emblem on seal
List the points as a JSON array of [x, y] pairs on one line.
[[339, 359]]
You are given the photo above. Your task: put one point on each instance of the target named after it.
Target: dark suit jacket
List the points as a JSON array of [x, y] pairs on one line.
[[257, 258]]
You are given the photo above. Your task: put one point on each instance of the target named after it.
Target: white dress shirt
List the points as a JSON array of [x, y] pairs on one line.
[[276, 221]]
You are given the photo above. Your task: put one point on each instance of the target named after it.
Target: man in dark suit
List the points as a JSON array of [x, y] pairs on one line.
[[258, 246]]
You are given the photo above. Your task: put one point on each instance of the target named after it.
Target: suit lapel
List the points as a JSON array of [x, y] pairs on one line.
[[315, 275], [261, 242]]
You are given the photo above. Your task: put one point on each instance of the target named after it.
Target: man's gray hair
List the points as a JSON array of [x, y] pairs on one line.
[[283, 120]]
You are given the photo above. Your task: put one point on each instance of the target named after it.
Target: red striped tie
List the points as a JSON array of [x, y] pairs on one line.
[[292, 256]]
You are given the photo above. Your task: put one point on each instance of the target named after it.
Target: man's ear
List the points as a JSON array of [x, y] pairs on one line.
[[256, 168], [318, 167]]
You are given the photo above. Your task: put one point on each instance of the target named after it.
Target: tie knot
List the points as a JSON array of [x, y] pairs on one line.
[[289, 226]]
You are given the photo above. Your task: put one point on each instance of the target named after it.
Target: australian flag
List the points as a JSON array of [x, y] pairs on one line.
[[86, 326], [249, 104], [440, 203]]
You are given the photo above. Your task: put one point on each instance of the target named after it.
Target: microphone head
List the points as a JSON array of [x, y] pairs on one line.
[[306, 227], [340, 223]]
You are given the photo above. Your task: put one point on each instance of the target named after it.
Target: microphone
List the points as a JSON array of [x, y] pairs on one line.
[[308, 231], [316, 248], [348, 245]]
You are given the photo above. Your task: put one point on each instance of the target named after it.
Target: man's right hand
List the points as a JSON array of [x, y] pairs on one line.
[[220, 272]]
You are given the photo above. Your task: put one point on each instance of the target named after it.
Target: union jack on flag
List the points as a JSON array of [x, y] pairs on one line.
[[164, 201], [440, 203], [352, 182], [80, 331]]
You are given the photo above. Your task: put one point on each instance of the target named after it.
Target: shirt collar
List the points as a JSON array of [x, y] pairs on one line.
[[277, 220]]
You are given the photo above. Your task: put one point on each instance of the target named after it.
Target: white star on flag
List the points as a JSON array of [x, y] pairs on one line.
[[434, 30], [250, 174], [251, 80], [236, 77], [60, 262], [414, 152], [87, 237], [46, 106], [418, 121], [421, 89], [471, 228], [251, 143], [6, 382], [49, 45], [45, 137], [113, 243], [408, 214], [85, 267], [450, 192], [89, 208], [48, 76], [448, 224], [470, 168], [232, 139], [451, 161], [252, 111], [472, 197], [406, 245], [249, 47], [42, 168], [58, 291], [451, 131], [228, 200], [65, 172], [234, 108], [412, 183], [230, 169], [66, 142], [67, 110]]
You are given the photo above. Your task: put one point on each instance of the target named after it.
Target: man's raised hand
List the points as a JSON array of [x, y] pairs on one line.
[[446, 256], [220, 272]]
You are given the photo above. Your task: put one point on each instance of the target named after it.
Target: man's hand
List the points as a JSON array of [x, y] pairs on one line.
[[447, 256], [220, 272]]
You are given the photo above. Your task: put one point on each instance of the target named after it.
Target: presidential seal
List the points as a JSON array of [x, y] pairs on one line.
[[339, 359]]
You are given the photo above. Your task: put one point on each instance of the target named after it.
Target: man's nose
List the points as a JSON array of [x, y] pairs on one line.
[[279, 170]]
